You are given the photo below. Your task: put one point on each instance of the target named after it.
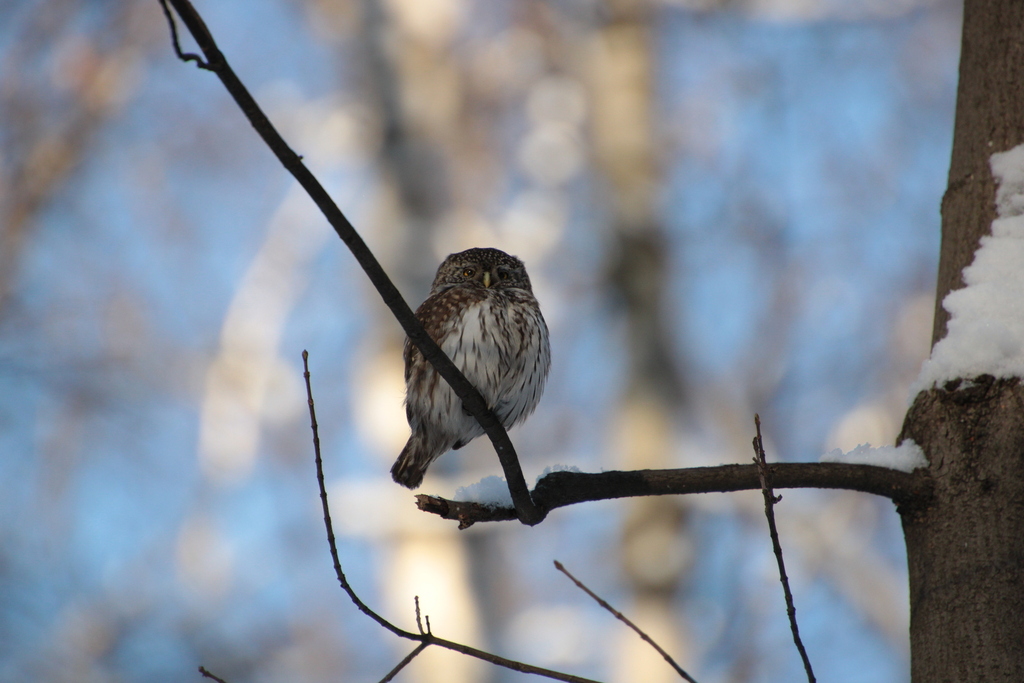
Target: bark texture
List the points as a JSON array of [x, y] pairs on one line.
[[965, 545], [989, 118]]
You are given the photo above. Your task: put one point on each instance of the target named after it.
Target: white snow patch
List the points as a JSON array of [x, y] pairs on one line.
[[985, 334], [556, 468], [907, 457], [491, 491]]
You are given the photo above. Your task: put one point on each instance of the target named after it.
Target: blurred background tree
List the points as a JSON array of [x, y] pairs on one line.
[[725, 208]]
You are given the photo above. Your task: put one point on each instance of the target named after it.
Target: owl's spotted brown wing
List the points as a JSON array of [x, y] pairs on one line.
[[440, 314]]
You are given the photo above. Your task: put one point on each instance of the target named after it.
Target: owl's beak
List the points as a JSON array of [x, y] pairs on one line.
[[487, 279]]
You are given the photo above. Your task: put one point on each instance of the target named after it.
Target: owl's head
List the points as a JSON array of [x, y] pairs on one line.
[[485, 268]]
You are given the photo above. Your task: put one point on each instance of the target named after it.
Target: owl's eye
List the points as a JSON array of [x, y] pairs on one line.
[[468, 272], [503, 274]]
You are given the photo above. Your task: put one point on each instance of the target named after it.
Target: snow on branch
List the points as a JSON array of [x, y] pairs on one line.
[[906, 457]]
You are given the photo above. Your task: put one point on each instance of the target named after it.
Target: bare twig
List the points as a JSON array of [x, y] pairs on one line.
[[183, 56], [621, 617], [419, 622], [331, 541], [527, 512], [207, 674], [559, 489], [401, 665], [427, 638], [769, 510]]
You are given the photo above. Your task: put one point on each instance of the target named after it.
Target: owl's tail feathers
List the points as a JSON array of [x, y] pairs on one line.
[[414, 460]]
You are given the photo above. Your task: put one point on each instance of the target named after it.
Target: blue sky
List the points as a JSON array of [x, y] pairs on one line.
[[801, 167]]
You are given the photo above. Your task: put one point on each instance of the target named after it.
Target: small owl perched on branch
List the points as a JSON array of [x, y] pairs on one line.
[[482, 313]]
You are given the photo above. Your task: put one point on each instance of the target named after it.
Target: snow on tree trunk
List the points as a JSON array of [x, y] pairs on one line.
[[965, 545]]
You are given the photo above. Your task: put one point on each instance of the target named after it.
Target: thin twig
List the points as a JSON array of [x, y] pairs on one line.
[[769, 510], [621, 617], [419, 623], [427, 638], [183, 56], [331, 541], [472, 400], [207, 674], [401, 665]]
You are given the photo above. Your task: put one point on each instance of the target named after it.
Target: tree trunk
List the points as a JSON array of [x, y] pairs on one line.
[[965, 546], [989, 118]]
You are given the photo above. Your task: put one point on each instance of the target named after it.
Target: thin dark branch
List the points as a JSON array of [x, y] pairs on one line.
[[506, 663], [183, 56], [621, 617], [427, 638], [419, 622], [207, 674], [765, 476], [559, 489], [331, 541], [401, 665], [472, 400]]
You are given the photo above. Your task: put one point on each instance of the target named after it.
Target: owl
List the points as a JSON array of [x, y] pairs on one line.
[[482, 313]]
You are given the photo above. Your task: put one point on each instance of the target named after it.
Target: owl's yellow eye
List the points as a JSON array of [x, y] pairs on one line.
[[503, 275], [468, 272]]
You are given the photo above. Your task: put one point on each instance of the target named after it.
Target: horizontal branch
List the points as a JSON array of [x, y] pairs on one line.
[[559, 489]]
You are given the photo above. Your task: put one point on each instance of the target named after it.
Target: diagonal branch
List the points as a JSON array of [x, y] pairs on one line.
[[527, 513], [214, 677], [621, 617], [402, 664]]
